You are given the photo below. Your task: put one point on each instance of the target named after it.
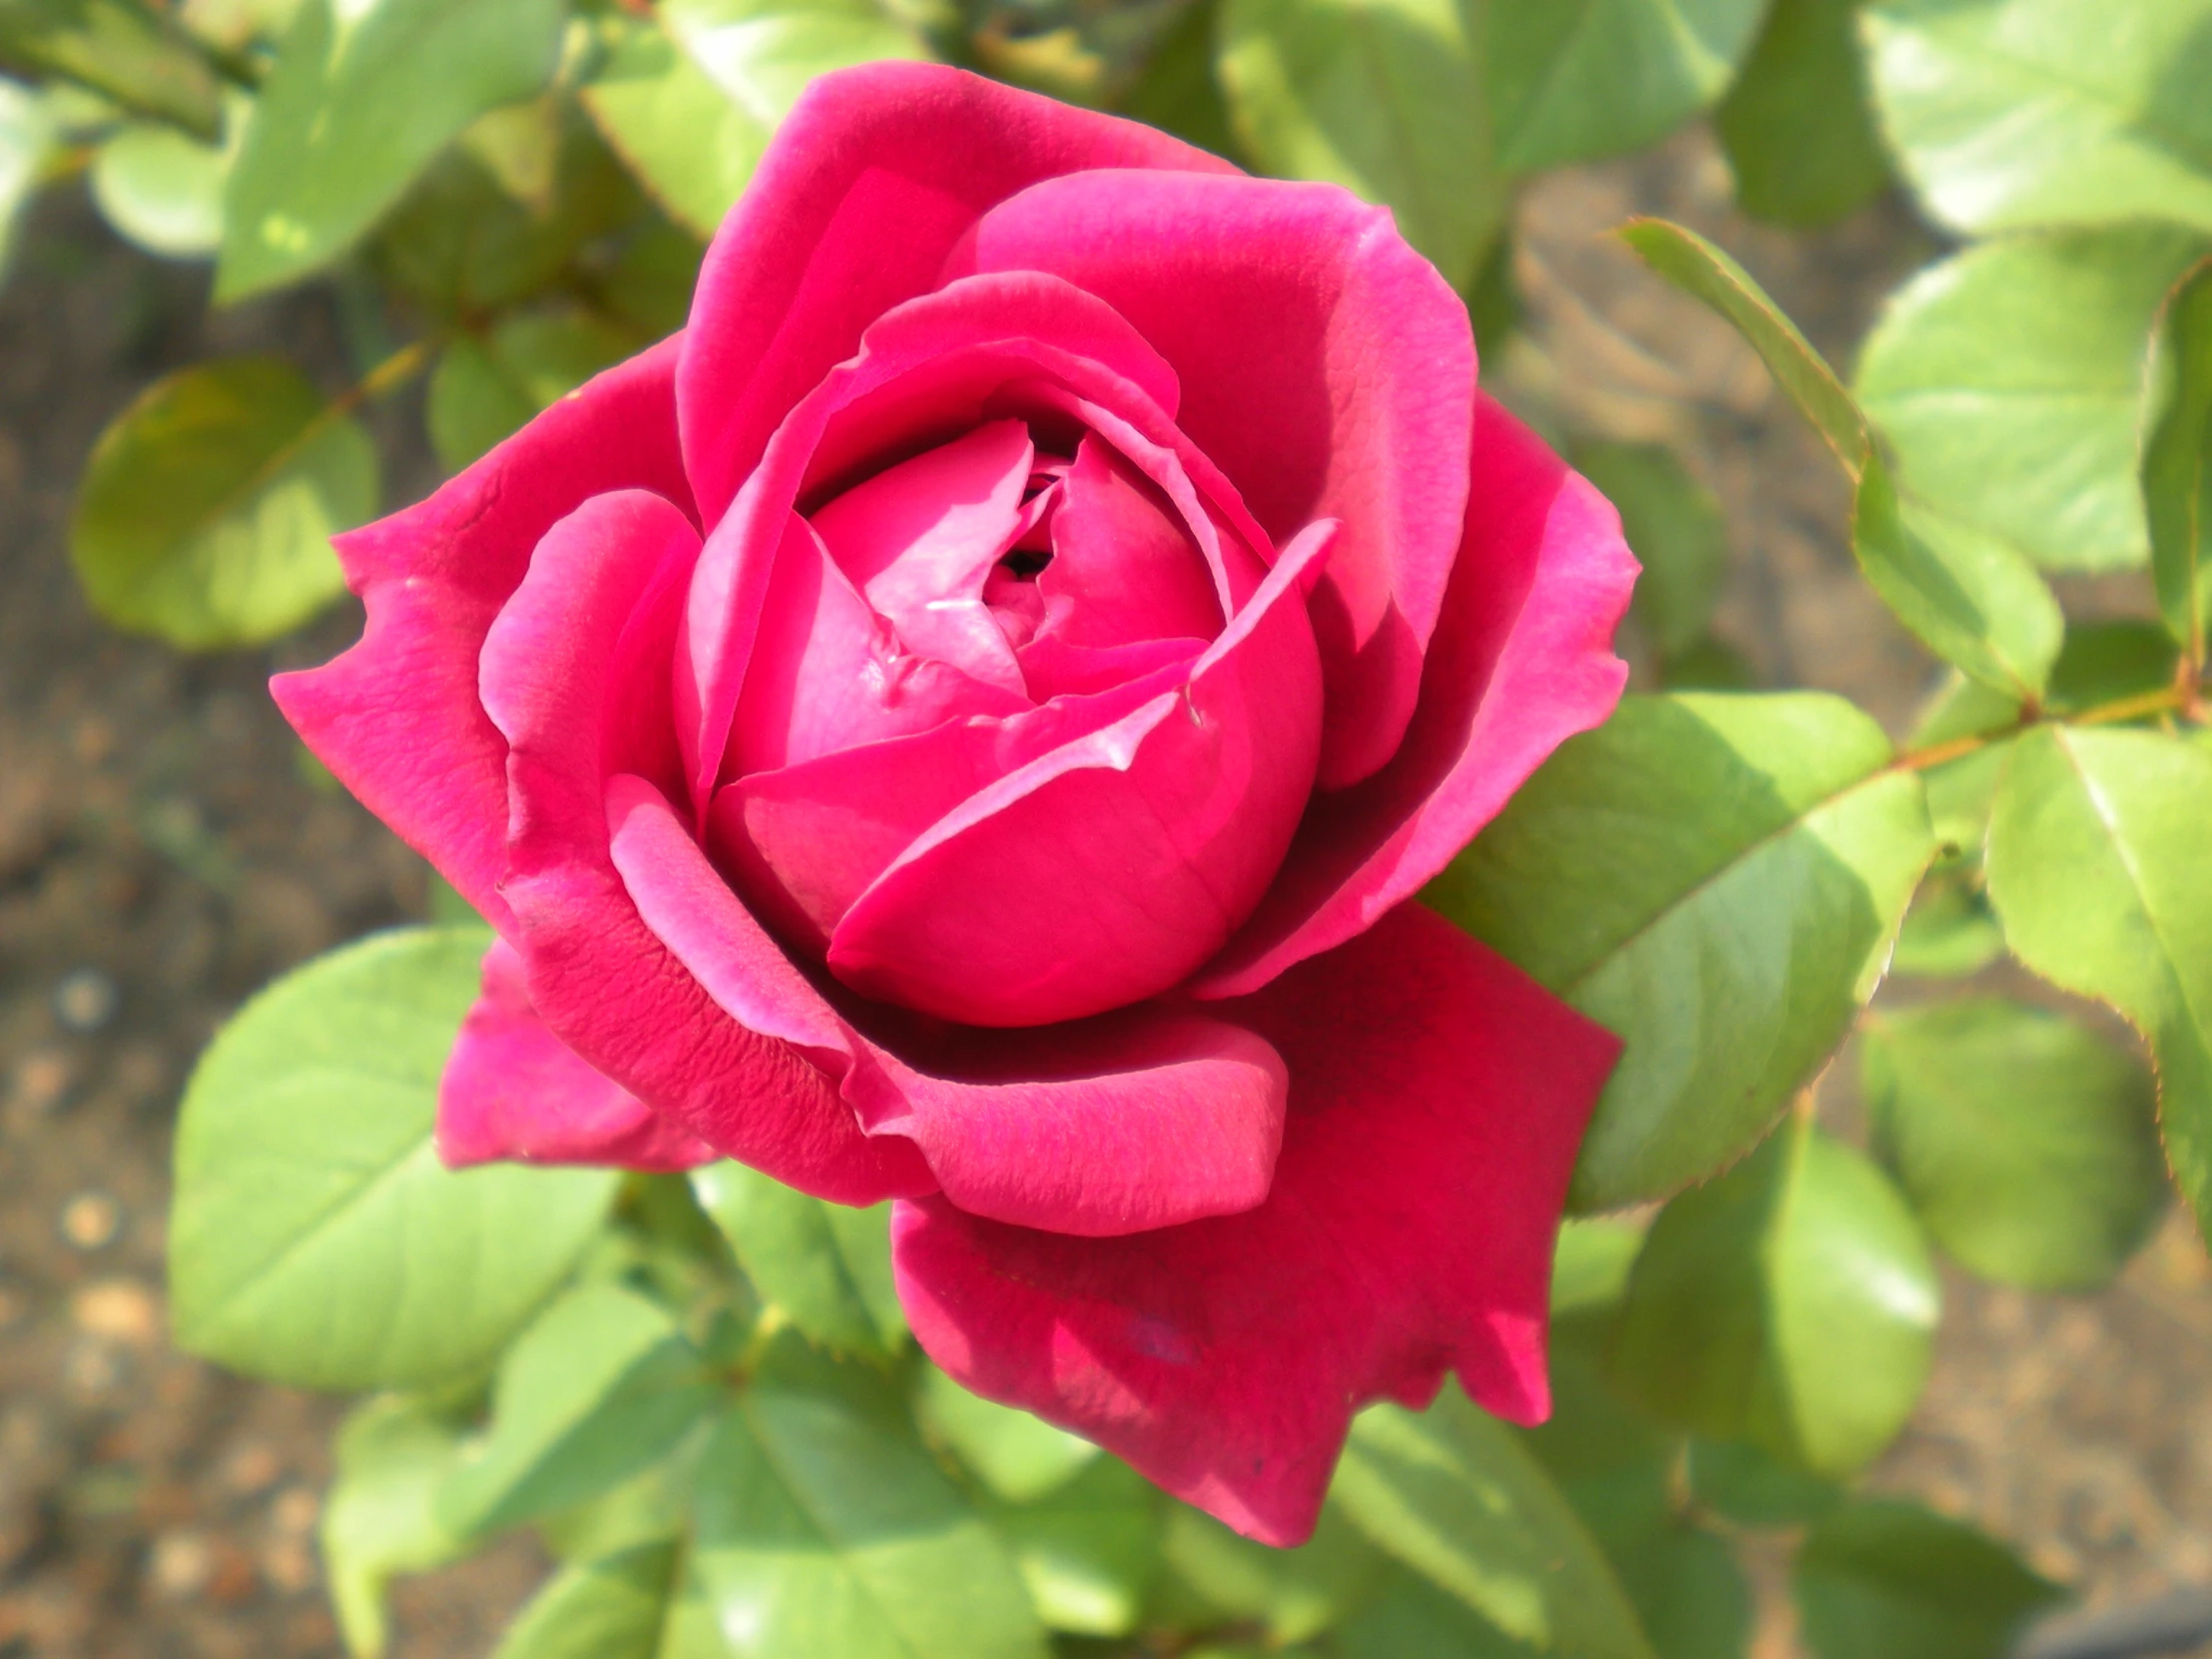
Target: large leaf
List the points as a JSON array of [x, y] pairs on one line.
[[1797, 126], [2008, 380], [1717, 879], [824, 1527], [392, 1455], [1454, 1495], [596, 1388], [2098, 871], [2177, 462], [613, 1608], [161, 187], [207, 509], [1791, 1303], [131, 52], [361, 97], [1573, 80], [2027, 1143], [826, 1267], [315, 1238], [2014, 112], [1973, 600], [1888, 1580], [1384, 96]]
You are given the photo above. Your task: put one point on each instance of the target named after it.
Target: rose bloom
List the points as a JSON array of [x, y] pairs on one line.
[[963, 722]]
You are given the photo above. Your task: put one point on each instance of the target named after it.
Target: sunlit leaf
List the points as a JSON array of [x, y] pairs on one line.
[[612, 1607], [2177, 462], [827, 1267], [162, 189]]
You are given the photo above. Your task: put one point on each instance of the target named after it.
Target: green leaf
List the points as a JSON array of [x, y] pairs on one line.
[[315, 1238], [600, 1386], [1291, 1594], [380, 1520], [1791, 1303], [26, 143], [825, 1528], [649, 284], [611, 1608], [125, 51], [2098, 871], [1091, 1550], [1590, 1263], [1020, 1457], [1797, 126], [1888, 1580], [2108, 662], [360, 99], [2009, 114], [484, 390], [1413, 1617], [162, 189], [1951, 931], [207, 509], [690, 102], [827, 1266], [1177, 90], [1744, 1486], [1674, 527], [2007, 379], [1453, 1494], [2027, 1143], [2177, 461], [1574, 80], [1717, 879], [1384, 96], [1689, 1592]]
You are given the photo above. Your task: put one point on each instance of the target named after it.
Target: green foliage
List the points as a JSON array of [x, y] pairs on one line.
[[1089, 1549], [1797, 126], [1673, 525], [208, 506], [1018, 1457], [1951, 931], [161, 187], [826, 1267], [315, 1238], [380, 1519], [2177, 462], [1790, 1303], [612, 1607], [125, 50], [2026, 1142], [483, 390], [26, 142], [1718, 880], [1886, 1580]]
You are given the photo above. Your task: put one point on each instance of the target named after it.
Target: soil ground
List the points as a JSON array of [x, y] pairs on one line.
[[162, 852]]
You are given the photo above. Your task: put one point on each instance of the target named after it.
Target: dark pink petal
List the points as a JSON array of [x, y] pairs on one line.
[[1145, 1119], [1437, 1099], [603, 598], [513, 1091], [1104, 871], [870, 180], [396, 716], [1055, 669], [1523, 660], [1325, 367], [1123, 569]]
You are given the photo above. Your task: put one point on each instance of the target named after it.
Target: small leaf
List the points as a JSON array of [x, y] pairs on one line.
[[315, 1238], [600, 1386], [1717, 879], [207, 509], [484, 390], [2007, 379], [2177, 461], [1384, 96], [614, 1607], [1576, 79], [1888, 1580], [1797, 126], [360, 99], [162, 189], [2097, 872], [827, 1266], [1453, 1494], [1791, 1303], [391, 1456], [2011, 114], [1020, 1457], [2027, 1143], [1674, 527], [127, 51]]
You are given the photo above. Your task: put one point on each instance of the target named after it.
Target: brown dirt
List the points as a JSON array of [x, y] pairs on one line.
[[163, 853]]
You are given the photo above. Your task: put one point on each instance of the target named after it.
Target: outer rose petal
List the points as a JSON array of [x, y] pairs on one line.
[[875, 172], [1523, 660], [396, 716], [513, 1090], [1325, 367], [1437, 1099], [561, 668]]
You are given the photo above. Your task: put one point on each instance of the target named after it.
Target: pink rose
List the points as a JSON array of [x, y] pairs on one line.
[[965, 722]]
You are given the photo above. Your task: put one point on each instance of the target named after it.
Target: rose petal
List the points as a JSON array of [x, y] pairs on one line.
[[513, 1091], [1523, 660], [1102, 872], [1123, 569], [875, 172], [1325, 367], [396, 716], [557, 666], [1437, 1099]]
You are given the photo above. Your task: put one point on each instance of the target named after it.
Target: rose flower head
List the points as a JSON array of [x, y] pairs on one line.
[[965, 722]]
